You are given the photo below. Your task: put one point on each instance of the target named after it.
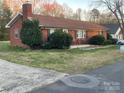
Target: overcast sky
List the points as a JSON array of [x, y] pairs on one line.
[[83, 4]]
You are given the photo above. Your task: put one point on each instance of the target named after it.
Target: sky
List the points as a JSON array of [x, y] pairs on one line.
[[74, 4]]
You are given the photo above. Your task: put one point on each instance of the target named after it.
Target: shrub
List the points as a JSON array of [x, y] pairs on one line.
[[30, 33], [97, 40], [110, 41], [114, 41], [107, 42], [47, 45], [60, 39]]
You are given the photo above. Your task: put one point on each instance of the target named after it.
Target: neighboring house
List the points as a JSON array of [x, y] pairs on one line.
[[114, 31], [81, 31]]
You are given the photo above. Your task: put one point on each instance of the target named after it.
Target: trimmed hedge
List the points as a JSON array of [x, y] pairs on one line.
[[97, 40], [59, 40], [30, 34], [107, 42]]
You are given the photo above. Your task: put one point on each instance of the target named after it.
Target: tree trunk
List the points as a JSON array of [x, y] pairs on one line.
[[122, 31]]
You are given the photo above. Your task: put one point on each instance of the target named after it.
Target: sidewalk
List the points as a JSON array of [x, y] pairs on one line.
[[80, 46], [89, 47]]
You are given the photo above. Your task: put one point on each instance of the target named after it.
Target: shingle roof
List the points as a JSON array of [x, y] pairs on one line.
[[49, 21], [112, 28]]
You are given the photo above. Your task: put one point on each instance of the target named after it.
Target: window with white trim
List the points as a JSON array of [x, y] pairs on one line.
[[100, 32], [84, 33], [51, 31], [81, 34], [65, 30]]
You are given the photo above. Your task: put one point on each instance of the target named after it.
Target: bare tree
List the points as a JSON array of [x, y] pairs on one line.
[[68, 12], [107, 18], [78, 12], [94, 15], [116, 7]]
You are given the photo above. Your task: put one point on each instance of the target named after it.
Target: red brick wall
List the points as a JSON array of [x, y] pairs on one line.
[[73, 34], [92, 33], [105, 34], [44, 34], [27, 10], [13, 39]]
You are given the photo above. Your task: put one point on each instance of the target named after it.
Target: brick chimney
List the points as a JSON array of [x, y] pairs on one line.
[[27, 10]]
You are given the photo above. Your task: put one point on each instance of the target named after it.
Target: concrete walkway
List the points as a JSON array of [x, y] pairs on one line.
[[80, 46], [16, 78], [89, 47]]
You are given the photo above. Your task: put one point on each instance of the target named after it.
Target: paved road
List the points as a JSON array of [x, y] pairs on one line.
[[112, 76]]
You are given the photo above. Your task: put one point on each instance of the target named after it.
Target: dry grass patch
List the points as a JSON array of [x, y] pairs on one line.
[[69, 61]]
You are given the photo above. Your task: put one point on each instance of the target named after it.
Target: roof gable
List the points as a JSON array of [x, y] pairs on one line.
[[113, 28], [13, 20]]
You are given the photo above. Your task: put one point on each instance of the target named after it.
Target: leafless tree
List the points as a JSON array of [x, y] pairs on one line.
[[117, 8], [95, 14], [68, 12], [78, 12]]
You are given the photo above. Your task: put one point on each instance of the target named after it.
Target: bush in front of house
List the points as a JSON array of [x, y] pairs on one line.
[[110, 40], [47, 45], [59, 40], [30, 34], [114, 41], [97, 40], [107, 42]]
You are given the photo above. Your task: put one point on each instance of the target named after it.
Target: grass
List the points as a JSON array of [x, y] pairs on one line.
[[69, 61]]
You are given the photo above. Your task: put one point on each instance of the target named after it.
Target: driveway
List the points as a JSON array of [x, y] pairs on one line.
[[16, 78], [111, 81]]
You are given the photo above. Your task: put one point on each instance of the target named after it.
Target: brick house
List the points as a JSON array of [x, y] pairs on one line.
[[81, 31]]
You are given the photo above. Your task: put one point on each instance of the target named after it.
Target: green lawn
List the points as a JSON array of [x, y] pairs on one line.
[[68, 61]]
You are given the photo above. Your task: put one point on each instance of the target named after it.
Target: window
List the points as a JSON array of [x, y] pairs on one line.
[[51, 31], [81, 34], [100, 33], [84, 34], [65, 30], [17, 34]]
